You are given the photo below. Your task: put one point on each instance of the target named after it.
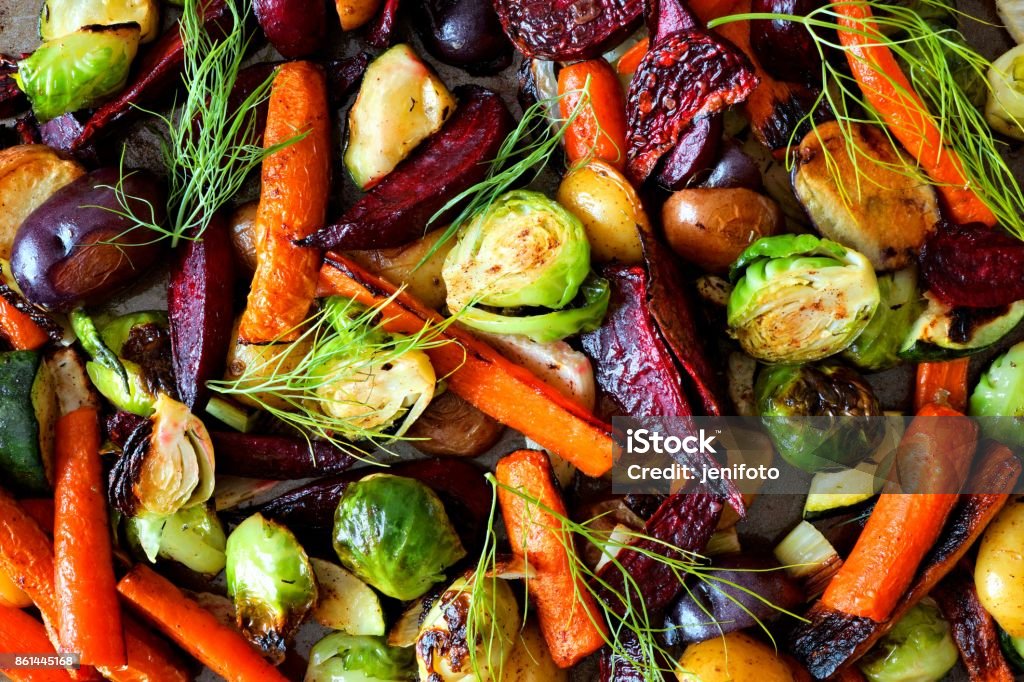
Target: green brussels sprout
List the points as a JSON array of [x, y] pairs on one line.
[[523, 250], [79, 69], [999, 396], [394, 534], [547, 327], [194, 537], [340, 657], [115, 332], [833, 396], [271, 581], [877, 347], [799, 298], [919, 648], [442, 652], [122, 382]]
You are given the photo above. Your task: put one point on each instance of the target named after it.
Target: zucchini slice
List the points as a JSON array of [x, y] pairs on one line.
[[945, 333], [28, 412]]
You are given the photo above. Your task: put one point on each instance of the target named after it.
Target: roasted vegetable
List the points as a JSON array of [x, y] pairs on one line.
[[735, 657], [345, 602], [341, 656], [295, 28], [882, 208], [999, 400], [97, 250], [941, 332], [242, 226], [167, 464], [557, 364], [693, 154], [58, 18], [973, 266], [919, 648], [271, 582], [77, 70], [530, 658], [194, 537], [27, 417], [452, 427], [393, 532], [998, 574], [840, 404], [609, 208], [799, 298], [397, 209], [353, 14], [443, 652], [277, 457], [1004, 109], [382, 133], [565, 32], [975, 633], [877, 346], [29, 175], [130, 364], [465, 33], [785, 49], [406, 265], [712, 227]]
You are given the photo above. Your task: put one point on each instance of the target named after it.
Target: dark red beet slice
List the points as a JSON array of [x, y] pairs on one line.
[[379, 34], [396, 210], [281, 458], [200, 298], [295, 28], [567, 30], [343, 75], [973, 266], [684, 76], [667, 17], [693, 153]]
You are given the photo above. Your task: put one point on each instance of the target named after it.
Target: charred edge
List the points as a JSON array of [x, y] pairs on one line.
[[830, 640], [120, 425], [149, 346], [128, 469], [310, 506], [53, 330], [973, 629], [788, 120]]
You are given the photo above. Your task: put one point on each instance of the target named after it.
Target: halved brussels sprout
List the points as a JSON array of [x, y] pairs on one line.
[[271, 581], [61, 17], [919, 648], [442, 650], [194, 537], [79, 69], [524, 250], [1004, 110], [877, 347], [799, 298], [547, 327], [166, 467], [999, 396], [833, 397], [393, 533], [339, 657]]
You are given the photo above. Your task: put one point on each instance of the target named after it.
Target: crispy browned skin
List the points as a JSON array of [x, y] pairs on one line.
[[973, 629]]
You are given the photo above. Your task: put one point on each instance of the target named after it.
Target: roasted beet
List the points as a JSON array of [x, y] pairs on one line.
[[277, 457], [465, 33], [343, 75], [383, 27], [77, 247], [734, 170], [685, 75], [200, 308], [61, 133], [295, 28], [567, 30], [693, 153], [973, 266], [786, 49], [397, 209], [665, 17]]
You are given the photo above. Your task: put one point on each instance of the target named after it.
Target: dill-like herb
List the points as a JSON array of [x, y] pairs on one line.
[[341, 343], [932, 55], [627, 614]]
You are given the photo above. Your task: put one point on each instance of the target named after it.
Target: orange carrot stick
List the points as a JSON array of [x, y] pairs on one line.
[[20, 633], [599, 130], [566, 612], [293, 204], [943, 383], [42, 511], [195, 629], [19, 329], [89, 612], [936, 452], [149, 658], [482, 376], [888, 91], [629, 62]]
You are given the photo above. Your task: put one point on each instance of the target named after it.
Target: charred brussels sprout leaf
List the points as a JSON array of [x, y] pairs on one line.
[[799, 298], [193, 537], [999, 396], [393, 533], [524, 250], [877, 347], [271, 581], [344, 657], [79, 69], [918, 649], [834, 396], [442, 650]]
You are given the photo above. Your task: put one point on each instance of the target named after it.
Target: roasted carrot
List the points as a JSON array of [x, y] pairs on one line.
[[934, 453], [19, 329], [293, 204], [630, 60], [149, 658], [889, 92], [943, 383], [20, 633], [482, 376], [568, 616], [89, 612], [42, 510], [195, 629], [974, 631], [599, 129]]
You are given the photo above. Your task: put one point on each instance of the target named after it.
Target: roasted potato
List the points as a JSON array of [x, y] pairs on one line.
[[353, 14], [243, 234], [29, 175], [452, 427], [610, 210], [398, 266], [735, 657], [999, 571], [880, 206], [258, 361], [530, 659], [711, 227]]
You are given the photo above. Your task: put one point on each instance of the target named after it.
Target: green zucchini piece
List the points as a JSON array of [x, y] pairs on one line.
[[1013, 649], [945, 333], [21, 458]]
